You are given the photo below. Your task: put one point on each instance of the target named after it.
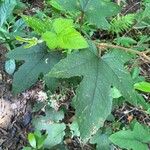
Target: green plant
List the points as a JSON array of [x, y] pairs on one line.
[[143, 17], [100, 73], [36, 141], [53, 126], [102, 141], [88, 10], [37, 61], [101, 67], [123, 23], [6, 9], [142, 86], [64, 36], [125, 41], [136, 139], [9, 28]]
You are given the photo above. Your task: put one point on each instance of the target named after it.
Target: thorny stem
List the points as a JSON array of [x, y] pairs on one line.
[[103, 46]]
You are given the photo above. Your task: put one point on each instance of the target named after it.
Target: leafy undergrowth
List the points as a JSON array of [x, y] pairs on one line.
[[92, 58]]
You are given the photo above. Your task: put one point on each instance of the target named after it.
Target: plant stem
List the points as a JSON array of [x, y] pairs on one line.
[[118, 2], [106, 45]]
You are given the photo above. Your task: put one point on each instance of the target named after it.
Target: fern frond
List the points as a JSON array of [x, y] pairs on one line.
[[122, 23]]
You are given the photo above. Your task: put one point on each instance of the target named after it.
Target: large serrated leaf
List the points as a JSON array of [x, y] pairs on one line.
[[93, 101], [37, 61], [6, 9], [95, 11], [136, 139]]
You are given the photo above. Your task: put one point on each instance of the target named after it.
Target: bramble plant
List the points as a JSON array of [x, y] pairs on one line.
[[60, 47]]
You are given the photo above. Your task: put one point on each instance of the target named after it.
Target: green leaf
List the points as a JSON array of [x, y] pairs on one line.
[[61, 146], [122, 23], [37, 61], [51, 39], [41, 141], [136, 139], [40, 138], [125, 41], [29, 41], [51, 124], [63, 35], [32, 140], [102, 141], [27, 148], [10, 66], [55, 4], [148, 111], [38, 25], [68, 5], [51, 83], [143, 18], [93, 101], [95, 11], [135, 72], [115, 93], [74, 129], [6, 9], [54, 115], [142, 86]]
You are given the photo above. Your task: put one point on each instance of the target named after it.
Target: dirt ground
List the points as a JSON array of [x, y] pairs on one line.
[[12, 137]]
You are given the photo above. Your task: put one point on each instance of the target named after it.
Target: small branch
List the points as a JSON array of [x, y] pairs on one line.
[[141, 54], [118, 2], [106, 45]]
